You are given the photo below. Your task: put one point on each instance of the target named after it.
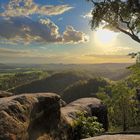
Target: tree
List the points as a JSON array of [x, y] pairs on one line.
[[135, 55], [122, 105], [117, 15]]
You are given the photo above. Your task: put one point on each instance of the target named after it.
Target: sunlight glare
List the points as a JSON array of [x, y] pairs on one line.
[[104, 36]]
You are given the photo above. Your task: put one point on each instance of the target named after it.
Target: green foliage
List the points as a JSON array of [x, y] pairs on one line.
[[86, 127], [11, 80], [122, 105], [135, 55], [134, 79], [117, 15], [54, 83]]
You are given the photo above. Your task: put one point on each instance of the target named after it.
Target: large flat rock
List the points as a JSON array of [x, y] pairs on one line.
[[116, 137]]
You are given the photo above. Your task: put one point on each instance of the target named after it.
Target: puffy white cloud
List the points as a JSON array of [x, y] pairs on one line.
[[16, 25], [25, 30], [71, 35], [28, 7], [54, 30]]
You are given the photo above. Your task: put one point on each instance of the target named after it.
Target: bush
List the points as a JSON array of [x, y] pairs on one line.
[[123, 108], [86, 127]]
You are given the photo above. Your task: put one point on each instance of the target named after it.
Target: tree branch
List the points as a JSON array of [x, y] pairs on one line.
[[103, 11], [133, 36], [127, 24]]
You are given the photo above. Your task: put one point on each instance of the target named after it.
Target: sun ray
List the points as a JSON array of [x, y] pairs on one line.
[[104, 36]]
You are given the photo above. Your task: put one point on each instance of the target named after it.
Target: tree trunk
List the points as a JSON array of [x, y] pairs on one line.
[[124, 118]]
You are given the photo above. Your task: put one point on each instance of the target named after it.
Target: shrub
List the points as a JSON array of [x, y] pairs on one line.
[[86, 126]]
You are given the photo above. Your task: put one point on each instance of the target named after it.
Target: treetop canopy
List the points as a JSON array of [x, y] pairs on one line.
[[117, 15]]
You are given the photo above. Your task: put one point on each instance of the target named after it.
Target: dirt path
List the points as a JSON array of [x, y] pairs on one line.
[[116, 137]]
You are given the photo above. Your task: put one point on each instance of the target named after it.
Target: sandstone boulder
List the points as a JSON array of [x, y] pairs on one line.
[[92, 106], [40, 116], [29, 116]]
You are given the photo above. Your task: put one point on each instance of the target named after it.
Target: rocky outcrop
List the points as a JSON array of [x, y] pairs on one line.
[[92, 106], [5, 94], [29, 116], [40, 116]]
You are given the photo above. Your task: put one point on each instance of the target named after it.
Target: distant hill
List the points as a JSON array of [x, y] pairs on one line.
[[70, 85], [113, 71], [68, 78], [55, 83], [62, 66], [83, 88]]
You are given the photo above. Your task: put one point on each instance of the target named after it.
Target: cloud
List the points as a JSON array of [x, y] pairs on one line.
[[17, 26], [120, 50], [12, 53], [25, 30], [28, 7], [29, 56], [87, 15], [71, 35], [106, 56], [5, 53], [54, 30], [102, 58]]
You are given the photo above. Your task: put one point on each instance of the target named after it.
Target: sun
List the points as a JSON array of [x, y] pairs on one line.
[[104, 36]]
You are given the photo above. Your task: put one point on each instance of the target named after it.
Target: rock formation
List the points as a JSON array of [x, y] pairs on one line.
[[92, 106], [29, 116], [39, 117]]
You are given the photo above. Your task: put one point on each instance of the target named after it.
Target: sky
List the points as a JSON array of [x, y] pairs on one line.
[[57, 31]]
